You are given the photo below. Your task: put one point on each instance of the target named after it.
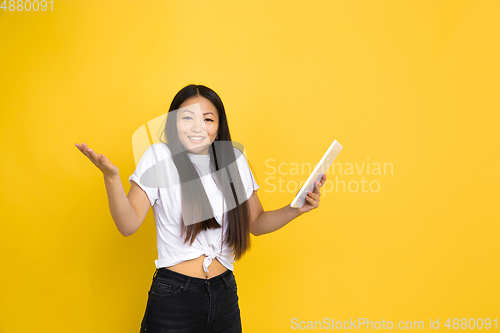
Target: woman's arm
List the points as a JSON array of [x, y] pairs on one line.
[[263, 222], [127, 212]]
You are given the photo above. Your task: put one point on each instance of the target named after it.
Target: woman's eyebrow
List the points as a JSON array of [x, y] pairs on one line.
[[193, 112]]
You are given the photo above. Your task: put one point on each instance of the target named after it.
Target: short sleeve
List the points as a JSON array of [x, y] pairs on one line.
[[145, 174], [246, 175]]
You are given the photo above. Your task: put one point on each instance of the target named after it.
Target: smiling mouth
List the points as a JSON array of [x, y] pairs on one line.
[[196, 138]]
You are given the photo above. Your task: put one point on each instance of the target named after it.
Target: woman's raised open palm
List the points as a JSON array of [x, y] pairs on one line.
[[99, 160]]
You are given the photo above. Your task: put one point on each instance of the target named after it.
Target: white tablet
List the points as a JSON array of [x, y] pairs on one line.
[[318, 172]]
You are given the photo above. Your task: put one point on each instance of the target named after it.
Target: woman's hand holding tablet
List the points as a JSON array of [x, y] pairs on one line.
[[312, 198], [310, 190]]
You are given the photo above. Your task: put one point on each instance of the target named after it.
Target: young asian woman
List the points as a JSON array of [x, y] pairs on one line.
[[186, 296]]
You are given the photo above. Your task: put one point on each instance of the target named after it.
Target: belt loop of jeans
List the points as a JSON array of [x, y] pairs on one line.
[[186, 285], [155, 274], [225, 279]]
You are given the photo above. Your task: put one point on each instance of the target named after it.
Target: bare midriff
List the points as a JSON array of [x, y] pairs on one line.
[[194, 268]]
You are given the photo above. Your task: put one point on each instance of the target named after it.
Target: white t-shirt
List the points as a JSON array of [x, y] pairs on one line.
[[161, 183]]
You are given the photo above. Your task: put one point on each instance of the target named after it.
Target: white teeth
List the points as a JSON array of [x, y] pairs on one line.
[[196, 138]]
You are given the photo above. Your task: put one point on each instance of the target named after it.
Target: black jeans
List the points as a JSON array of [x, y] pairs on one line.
[[181, 303]]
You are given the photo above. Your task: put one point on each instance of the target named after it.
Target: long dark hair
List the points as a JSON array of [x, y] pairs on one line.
[[195, 201]]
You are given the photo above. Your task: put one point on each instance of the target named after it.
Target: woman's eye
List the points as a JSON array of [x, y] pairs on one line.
[[192, 118]]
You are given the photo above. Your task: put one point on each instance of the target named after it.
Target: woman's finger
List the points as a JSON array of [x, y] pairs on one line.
[[84, 149], [80, 147], [98, 158], [316, 189], [312, 201], [93, 156], [314, 195]]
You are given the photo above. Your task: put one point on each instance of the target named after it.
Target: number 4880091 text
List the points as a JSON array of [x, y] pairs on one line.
[[27, 5]]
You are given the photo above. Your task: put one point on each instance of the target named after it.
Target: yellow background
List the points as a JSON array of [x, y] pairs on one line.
[[411, 83]]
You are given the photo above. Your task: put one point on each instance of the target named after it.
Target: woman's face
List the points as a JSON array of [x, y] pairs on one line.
[[197, 124]]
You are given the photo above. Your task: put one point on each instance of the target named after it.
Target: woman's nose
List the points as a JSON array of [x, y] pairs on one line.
[[198, 127]]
